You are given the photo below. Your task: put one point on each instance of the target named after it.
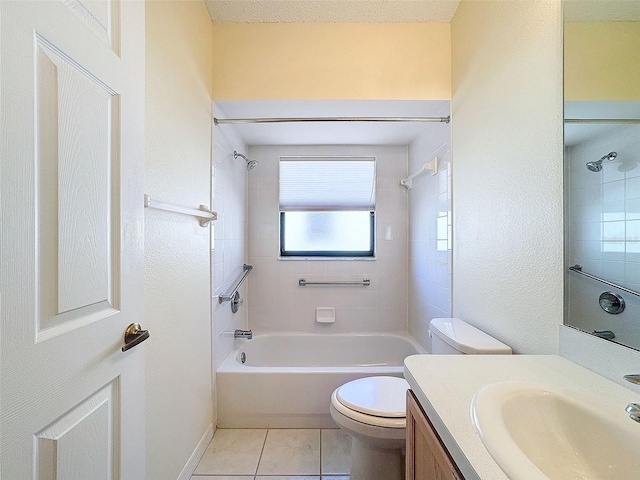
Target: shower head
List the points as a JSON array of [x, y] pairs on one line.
[[250, 163], [597, 165]]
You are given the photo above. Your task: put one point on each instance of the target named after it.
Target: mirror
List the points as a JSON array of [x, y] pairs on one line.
[[602, 168]]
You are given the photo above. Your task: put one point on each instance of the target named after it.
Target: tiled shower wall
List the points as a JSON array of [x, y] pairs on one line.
[[430, 233], [229, 192], [277, 303], [604, 229]]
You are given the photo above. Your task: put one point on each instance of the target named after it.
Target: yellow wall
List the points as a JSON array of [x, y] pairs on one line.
[[177, 274], [602, 60], [292, 61]]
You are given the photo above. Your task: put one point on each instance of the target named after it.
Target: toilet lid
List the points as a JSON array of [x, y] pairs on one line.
[[376, 396]]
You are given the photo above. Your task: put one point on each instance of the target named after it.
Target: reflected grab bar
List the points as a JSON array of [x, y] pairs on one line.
[[578, 269], [227, 298]]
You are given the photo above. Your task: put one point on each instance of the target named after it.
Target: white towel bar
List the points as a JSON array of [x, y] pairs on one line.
[[431, 166], [204, 215]]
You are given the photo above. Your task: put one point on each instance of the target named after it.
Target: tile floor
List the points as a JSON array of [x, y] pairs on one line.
[[276, 454]]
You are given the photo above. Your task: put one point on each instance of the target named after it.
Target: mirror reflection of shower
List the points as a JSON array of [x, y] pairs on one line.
[[597, 165], [250, 163]]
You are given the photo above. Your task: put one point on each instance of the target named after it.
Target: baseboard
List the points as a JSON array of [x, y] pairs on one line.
[[195, 457]]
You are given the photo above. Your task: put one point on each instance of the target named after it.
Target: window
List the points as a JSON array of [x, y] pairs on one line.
[[327, 206]]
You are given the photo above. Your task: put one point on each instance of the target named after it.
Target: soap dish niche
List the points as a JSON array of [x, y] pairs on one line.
[[325, 314]]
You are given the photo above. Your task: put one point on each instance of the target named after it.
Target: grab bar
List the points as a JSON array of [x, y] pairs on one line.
[[227, 298], [578, 269], [365, 283]]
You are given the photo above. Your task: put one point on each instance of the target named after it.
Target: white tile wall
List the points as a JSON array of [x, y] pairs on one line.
[[604, 230], [430, 232], [277, 303], [229, 177]]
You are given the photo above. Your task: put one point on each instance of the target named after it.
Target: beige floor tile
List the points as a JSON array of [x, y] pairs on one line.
[[335, 452], [232, 452], [286, 477], [341, 477], [291, 452]]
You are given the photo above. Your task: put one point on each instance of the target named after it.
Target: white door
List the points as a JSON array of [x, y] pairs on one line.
[[71, 145]]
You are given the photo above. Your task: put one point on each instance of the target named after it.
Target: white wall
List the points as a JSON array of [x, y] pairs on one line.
[[229, 179], [429, 232], [277, 303], [507, 170], [604, 229], [176, 284]]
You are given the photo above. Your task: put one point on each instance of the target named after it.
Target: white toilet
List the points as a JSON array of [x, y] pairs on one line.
[[373, 409]]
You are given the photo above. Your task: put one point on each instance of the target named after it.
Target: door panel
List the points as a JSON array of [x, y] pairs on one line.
[[71, 112], [77, 163], [101, 17], [83, 444]]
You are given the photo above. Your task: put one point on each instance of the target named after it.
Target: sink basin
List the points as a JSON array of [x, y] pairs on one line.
[[534, 432]]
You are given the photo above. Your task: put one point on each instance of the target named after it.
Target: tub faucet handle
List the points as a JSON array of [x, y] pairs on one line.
[[243, 334]]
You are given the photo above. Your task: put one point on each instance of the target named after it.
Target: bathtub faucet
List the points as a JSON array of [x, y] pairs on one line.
[[243, 334]]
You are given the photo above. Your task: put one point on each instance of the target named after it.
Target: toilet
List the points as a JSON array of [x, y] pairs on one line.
[[373, 409]]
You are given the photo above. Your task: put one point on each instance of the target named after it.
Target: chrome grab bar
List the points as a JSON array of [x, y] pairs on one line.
[[578, 269], [365, 283], [227, 298]]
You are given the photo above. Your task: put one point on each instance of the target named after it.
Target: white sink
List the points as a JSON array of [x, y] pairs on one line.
[[534, 432]]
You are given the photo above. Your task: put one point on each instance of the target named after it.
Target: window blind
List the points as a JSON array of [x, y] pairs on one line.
[[327, 183]]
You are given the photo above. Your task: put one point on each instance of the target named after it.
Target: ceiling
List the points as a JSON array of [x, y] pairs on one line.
[[332, 133], [331, 11]]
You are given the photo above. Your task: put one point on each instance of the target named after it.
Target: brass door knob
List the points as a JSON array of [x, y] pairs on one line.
[[134, 335]]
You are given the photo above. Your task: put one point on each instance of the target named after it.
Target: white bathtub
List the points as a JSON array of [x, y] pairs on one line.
[[287, 379]]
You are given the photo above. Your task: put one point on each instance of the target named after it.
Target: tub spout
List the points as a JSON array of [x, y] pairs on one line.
[[243, 334]]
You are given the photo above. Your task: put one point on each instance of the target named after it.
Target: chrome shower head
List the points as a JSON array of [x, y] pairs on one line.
[[597, 165], [250, 163]]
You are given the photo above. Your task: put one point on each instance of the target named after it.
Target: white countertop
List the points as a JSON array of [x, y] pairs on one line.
[[446, 384]]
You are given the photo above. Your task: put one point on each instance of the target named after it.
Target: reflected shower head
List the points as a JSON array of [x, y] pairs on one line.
[[597, 165], [250, 163]]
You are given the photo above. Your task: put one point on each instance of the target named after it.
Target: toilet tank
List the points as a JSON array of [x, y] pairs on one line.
[[453, 336]]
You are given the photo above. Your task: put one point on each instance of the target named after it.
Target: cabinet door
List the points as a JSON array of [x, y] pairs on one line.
[[427, 457]]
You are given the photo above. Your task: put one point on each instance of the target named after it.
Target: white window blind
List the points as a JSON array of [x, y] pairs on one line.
[[327, 183]]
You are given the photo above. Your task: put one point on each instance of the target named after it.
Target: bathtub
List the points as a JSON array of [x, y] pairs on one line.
[[286, 379]]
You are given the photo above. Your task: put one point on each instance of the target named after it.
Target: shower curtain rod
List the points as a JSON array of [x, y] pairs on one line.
[[221, 121], [602, 120]]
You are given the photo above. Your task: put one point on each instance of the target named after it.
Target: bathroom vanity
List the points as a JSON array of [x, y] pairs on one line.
[[426, 457], [445, 391]]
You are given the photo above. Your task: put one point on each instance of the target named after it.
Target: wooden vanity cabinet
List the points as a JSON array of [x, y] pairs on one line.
[[427, 457]]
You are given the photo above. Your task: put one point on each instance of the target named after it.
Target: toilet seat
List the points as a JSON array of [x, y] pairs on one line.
[[376, 401]]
